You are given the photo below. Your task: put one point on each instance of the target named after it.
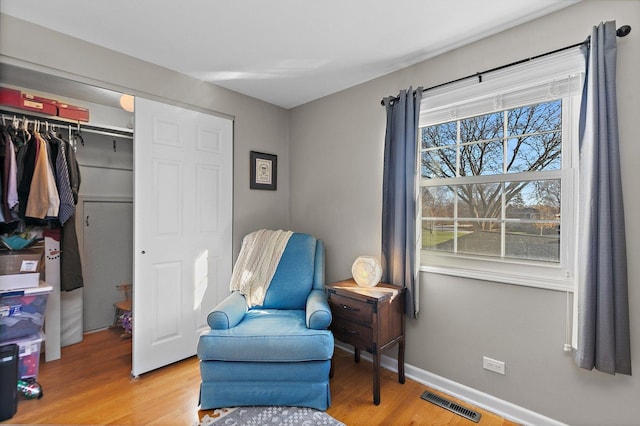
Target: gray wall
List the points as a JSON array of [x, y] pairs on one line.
[[258, 125], [336, 174], [329, 184]]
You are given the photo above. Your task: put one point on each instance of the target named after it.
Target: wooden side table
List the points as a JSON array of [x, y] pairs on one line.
[[369, 318]]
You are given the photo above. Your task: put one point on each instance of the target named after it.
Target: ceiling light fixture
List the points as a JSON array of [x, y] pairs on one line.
[[126, 102]]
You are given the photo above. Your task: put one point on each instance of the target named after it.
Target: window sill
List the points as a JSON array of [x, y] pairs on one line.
[[548, 283]]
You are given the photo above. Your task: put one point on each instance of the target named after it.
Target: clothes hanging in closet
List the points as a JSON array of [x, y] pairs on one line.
[[70, 267], [9, 167], [43, 198], [40, 176], [40, 183]]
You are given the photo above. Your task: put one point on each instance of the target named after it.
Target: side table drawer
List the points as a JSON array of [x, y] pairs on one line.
[[344, 307], [352, 333]]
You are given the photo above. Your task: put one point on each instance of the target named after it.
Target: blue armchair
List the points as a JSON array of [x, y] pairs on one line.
[[278, 353]]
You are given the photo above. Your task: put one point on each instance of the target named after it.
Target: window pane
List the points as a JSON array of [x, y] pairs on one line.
[[437, 235], [533, 200], [526, 241], [479, 200], [534, 153], [535, 137], [537, 206], [479, 238], [439, 135], [535, 118], [437, 201], [482, 128], [484, 158], [438, 163]]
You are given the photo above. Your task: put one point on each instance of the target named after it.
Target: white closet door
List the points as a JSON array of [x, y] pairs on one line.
[[183, 216], [107, 259]]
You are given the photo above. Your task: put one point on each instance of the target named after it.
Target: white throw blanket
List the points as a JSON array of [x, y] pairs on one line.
[[257, 262]]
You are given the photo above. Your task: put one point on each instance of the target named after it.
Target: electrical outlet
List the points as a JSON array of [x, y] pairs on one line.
[[493, 365]]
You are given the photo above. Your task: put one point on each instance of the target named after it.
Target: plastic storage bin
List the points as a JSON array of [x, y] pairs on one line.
[[29, 355], [22, 312]]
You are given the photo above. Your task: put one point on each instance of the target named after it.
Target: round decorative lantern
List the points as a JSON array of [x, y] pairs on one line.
[[366, 271]]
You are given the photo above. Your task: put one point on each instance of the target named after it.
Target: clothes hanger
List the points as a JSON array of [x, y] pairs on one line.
[[25, 129], [77, 136]]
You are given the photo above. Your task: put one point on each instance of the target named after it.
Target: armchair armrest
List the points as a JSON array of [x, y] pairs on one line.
[[228, 313], [318, 311]]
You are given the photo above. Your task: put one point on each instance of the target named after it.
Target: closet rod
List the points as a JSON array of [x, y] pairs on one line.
[[10, 113], [95, 130], [623, 31]]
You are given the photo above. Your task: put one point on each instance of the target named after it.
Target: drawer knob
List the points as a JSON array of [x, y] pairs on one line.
[[344, 330], [349, 308]]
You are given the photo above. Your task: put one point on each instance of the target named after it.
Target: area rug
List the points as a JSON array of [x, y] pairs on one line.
[[256, 416]]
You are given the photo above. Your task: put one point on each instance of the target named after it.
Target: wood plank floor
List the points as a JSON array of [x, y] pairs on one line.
[[91, 385]]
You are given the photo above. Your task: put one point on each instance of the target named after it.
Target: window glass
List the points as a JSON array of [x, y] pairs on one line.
[[494, 214]]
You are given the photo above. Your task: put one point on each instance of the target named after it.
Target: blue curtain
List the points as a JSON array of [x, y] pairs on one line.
[[399, 195], [603, 306]]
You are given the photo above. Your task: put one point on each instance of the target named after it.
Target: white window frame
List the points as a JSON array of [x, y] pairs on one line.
[[557, 76]]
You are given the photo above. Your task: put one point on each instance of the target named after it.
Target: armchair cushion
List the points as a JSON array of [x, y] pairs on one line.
[[318, 311], [228, 313], [267, 335], [294, 275]]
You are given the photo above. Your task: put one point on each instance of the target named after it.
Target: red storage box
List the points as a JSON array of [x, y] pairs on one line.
[[29, 355], [38, 104], [10, 97], [22, 312], [73, 112]]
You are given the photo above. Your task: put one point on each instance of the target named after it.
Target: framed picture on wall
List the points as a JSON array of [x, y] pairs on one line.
[[263, 171]]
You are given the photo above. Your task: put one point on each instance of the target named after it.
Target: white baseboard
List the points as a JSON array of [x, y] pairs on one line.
[[475, 397]]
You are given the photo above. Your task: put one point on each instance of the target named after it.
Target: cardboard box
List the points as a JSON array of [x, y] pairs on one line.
[[24, 261], [22, 312], [73, 112], [29, 354], [20, 269]]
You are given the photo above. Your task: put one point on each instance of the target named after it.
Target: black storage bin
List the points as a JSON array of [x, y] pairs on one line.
[[8, 381]]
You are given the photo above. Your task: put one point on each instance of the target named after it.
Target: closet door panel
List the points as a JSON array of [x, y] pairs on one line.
[[182, 241], [208, 194], [165, 301], [107, 259], [166, 196]]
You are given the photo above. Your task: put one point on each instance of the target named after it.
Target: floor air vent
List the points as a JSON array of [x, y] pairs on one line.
[[451, 406]]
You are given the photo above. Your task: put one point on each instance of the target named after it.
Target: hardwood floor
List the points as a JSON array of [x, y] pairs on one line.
[[91, 385]]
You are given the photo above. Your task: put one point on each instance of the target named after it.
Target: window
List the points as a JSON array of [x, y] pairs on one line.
[[497, 170]]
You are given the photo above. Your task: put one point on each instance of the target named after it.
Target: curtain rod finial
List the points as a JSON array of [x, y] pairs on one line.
[[623, 31]]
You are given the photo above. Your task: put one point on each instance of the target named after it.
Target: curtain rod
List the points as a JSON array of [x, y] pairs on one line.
[[623, 31]]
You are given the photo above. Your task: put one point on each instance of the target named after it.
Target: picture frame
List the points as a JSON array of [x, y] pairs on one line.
[[263, 171]]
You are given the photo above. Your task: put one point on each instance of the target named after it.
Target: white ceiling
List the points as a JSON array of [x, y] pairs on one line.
[[286, 52]]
